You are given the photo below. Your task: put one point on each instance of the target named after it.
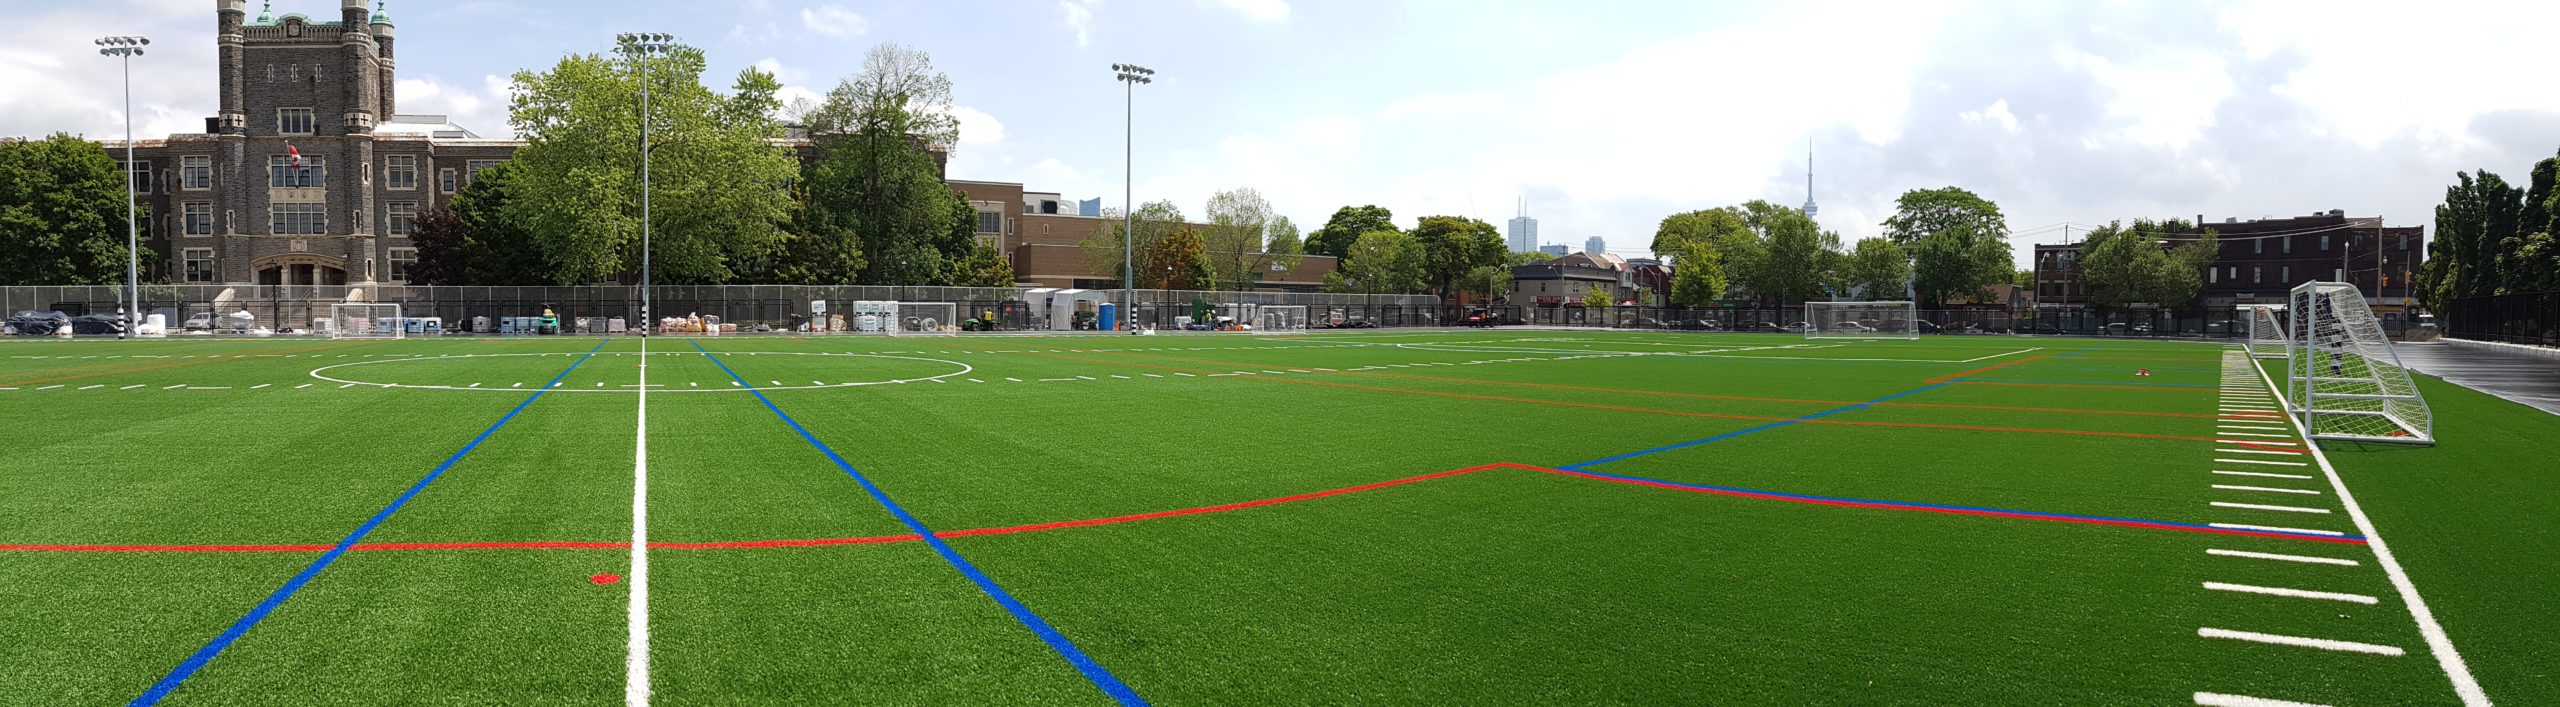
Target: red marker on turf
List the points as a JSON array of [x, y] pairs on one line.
[[605, 578]]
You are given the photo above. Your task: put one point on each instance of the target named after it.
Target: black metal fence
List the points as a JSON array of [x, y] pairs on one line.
[[2078, 322], [2526, 318]]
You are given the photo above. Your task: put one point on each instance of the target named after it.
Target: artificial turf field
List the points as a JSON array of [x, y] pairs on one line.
[[1406, 516]]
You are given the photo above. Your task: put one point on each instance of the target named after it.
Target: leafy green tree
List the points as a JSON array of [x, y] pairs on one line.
[[62, 214], [1794, 257], [1697, 279], [1178, 261], [1454, 248], [1101, 249], [441, 240], [717, 174], [2124, 265], [878, 137], [2529, 260], [1246, 240], [1348, 224], [1381, 262], [1526, 257], [497, 248], [1877, 269], [1958, 242], [2024, 277], [983, 266], [1596, 297], [2478, 213]]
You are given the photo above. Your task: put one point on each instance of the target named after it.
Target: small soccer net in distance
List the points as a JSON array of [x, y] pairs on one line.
[[2266, 330], [2343, 381], [365, 320], [1280, 318], [1861, 320], [927, 318]]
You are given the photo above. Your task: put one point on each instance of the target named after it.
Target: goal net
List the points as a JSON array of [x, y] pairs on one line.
[[927, 318], [1280, 319], [364, 320], [1861, 320], [2266, 330], [2344, 381]]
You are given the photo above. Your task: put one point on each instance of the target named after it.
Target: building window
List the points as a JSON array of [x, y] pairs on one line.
[[2404, 241], [195, 218], [195, 173], [313, 174], [404, 215], [2324, 243], [990, 222], [444, 180], [400, 172], [140, 171], [293, 121], [298, 219], [2213, 276], [2258, 246], [2288, 245], [198, 264], [2257, 274], [2286, 273], [471, 170], [402, 259]]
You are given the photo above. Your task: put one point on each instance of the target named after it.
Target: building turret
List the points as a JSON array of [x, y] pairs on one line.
[[229, 16], [362, 92], [382, 34]]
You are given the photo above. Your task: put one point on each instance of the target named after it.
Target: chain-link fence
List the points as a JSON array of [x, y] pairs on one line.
[[2524, 318]]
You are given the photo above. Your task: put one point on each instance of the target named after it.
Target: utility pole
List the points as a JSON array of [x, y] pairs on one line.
[[641, 47], [1130, 75], [125, 49]]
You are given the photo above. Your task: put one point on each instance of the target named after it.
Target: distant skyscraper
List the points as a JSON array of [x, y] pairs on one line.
[[1524, 230], [1089, 207], [1595, 245], [1558, 250], [1810, 210]]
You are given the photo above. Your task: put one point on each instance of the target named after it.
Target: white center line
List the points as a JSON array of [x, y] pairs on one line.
[[2295, 593], [635, 674], [2320, 643], [261, 385], [2305, 559]]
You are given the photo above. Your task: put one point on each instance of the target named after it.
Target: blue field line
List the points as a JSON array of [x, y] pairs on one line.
[[2089, 382], [1748, 430], [2076, 353], [1101, 677], [1944, 507], [179, 675]]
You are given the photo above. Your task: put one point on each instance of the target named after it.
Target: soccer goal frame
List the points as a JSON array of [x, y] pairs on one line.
[[927, 319], [2342, 378], [365, 320], [1862, 320], [2267, 336], [1280, 319]]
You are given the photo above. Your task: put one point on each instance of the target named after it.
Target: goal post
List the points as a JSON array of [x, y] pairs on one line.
[[1861, 320], [2342, 379], [2267, 338], [1280, 318], [365, 320], [927, 319]]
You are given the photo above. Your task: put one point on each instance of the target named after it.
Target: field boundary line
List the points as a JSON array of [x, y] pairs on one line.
[[2447, 658], [1093, 671], [635, 666], [1997, 355], [1984, 369], [176, 676]]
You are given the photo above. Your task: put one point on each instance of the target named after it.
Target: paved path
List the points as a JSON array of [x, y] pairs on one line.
[[2524, 378]]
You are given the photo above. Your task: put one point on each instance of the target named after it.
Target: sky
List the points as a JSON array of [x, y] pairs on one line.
[[1604, 116]]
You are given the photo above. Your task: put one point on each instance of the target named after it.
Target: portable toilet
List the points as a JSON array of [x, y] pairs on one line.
[[1110, 320]]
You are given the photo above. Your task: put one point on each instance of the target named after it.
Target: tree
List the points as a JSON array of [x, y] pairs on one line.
[[879, 138], [62, 214], [2478, 213], [2124, 265], [983, 266], [2024, 277], [1921, 212], [442, 241], [1348, 224], [1101, 249], [1178, 261], [1245, 240], [1526, 257], [1794, 257], [1697, 279], [1453, 247], [1958, 242], [1596, 297], [1877, 269], [717, 172], [1381, 262], [2529, 260]]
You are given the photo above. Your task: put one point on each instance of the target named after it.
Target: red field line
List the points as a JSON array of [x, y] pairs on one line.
[[2145, 358], [2097, 386], [1748, 398], [1984, 369], [133, 367]]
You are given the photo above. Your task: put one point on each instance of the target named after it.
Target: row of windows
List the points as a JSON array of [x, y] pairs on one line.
[[2257, 275], [197, 265], [399, 173], [195, 218]]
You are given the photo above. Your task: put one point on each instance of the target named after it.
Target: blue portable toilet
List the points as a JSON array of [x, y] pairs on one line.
[[1110, 316]]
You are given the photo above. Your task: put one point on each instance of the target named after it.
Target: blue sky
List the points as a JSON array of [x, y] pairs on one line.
[[1605, 116]]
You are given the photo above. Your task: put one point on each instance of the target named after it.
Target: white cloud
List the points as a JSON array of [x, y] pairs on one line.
[[833, 21], [1996, 113], [2443, 61], [1256, 10], [976, 127], [767, 34], [2165, 98], [482, 111], [1079, 15]]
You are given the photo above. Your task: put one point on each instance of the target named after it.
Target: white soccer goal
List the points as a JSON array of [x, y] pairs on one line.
[[2344, 381], [927, 319], [2267, 337], [364, 320], [1861, 320], [1280, 319]]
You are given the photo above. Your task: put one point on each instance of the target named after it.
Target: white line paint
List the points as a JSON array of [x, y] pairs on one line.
[[2295, 593], [92, 387], [2320, 643], [138, 385], [2306, 492], [299, 387], [2228, 433], [635, 673], [2216, 699], [2264, 474], [2305, 559], [174, 387], [2278, 452], [2278, 529], [261, 385], [344, 387], [2447, 657], [2258, 461]]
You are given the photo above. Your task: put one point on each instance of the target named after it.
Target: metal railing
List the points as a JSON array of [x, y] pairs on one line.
[[2524, 318]]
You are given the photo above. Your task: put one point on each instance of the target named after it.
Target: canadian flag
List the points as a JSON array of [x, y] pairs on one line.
[[295, 154]]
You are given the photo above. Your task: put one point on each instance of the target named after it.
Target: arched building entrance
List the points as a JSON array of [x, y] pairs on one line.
[[300, 269]]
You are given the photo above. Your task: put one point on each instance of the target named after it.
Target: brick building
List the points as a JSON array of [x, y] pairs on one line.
[[1040, 232], [2260, 261]]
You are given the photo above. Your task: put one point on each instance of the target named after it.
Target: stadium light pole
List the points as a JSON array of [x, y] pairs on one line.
[[125, 49], [641, 46], [1130, 75]]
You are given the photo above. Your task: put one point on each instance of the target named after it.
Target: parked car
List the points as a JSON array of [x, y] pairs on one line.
[[2044, 329], [2125, 329], [97, 324], [1641, 323], [1697, 325]]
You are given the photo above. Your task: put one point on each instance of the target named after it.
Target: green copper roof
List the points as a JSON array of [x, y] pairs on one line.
[[266, 13], [380, 17]]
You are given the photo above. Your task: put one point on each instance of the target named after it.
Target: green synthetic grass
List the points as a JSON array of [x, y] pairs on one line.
[[1500, 585]]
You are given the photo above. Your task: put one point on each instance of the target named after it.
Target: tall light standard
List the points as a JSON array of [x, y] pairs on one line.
[[1130, 76], [641, 47], [125, 49]]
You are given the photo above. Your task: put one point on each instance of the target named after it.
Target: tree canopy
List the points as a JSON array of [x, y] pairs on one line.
[[1455, 247], [1348, 224], [1246, 240], [1876, 269], [1380, 262], [1958, 242], [62, 214], [1101, 250], [877, 172], [2126, 265]]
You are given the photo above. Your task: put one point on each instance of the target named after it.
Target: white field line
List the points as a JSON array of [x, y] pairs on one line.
[[2259, 442], [2305, 559], [2227, 487], [2257, 461], [2227, 432], [2216, 699], [2295, 593], [2278, 452], [2265, 474], [635, 673], [2277, 529], [2441, 645], [2265, 507], [138, 385], [2320, 643]]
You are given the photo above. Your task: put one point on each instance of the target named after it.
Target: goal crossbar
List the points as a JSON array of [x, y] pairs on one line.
[[1861, 320], [365, 320]]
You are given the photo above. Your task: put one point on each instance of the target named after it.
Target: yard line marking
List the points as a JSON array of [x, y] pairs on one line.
[[160, 690], [2295, 593], [2249, 434], [1085, 377], [299, 387], [344, 387], [2275, 529], [2264, 507], [2320, 643], [2256, 461], [2256, 451], [2257, 443], [1057, 380], [174, 387], [2265, 474], [2305, 559], [91, 387], [2229, 487], [261, 385], [1121, 377], [1093, 671], [974, 380], [635, 670], [2448, 658], [474, 385], [2215, 699], [1016, 380], [1151, 375], [777, 384]]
